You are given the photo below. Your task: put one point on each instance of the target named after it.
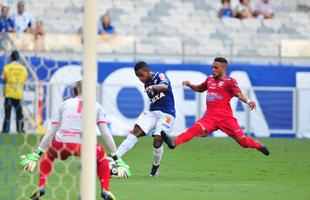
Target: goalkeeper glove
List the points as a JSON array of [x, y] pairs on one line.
[[29, 161], [121, 164]]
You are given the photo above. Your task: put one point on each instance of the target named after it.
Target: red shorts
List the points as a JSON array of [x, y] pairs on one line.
[[228, 125], [64, 150]]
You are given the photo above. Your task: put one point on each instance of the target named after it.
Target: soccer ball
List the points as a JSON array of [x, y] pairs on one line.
[[112, 166], [116, 172]]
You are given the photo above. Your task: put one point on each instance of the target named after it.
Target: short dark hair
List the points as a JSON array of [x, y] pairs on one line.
[[141, 65], [77, 88], [14, 55], [221, 60], [223, 1]]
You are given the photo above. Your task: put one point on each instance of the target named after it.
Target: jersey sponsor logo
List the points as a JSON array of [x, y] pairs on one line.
[[156, 97], [166, 126], [69, 133], [74, 117], [212, 97]]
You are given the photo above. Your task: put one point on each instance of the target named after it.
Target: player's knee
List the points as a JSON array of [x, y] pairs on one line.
[[157, 142], [156, 145], [137, 131], [197, 129]]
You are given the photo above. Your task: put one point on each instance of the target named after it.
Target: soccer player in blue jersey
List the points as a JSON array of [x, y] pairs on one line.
[[159, 118]]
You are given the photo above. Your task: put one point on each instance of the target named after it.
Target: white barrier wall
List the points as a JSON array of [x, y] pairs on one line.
[[282, 103], [255, 122]]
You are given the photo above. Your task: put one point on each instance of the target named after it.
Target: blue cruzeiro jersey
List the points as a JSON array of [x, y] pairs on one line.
[[163, 101]]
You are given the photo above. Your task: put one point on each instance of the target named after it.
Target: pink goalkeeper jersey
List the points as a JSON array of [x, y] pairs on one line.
[[219, 94], [69, 116]]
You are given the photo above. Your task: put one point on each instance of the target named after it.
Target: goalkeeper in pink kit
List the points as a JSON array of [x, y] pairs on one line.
[[220, 89], [63, 139]]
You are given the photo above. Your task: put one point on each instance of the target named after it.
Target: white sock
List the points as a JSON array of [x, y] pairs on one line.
[[127, 144], [158, 154]]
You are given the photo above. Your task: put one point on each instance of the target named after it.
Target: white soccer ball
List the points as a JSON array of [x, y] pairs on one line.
[[116, 172]]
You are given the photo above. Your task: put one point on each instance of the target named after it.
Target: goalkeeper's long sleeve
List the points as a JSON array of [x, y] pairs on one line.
[[108, 139], [48, 137]]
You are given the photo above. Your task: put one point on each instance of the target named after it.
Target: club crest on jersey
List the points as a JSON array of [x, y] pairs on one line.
[[221, 83], [161, 76], [156, 97]]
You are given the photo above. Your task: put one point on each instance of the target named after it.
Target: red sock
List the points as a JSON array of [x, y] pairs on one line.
[[248, 142], [189, 134], [103, 172], [46, 166]]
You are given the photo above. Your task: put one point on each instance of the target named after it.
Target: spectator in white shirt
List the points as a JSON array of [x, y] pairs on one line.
[[23, 21], [264, 10], [243, 10]]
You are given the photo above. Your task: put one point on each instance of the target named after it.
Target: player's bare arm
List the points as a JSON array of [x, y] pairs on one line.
[[246, 100], [49, 136], [107, 138], [159, 88], [196, 88]]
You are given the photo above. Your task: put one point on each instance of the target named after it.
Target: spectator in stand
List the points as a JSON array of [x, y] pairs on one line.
[[264, 10], [243, 10], [226, 10], [38, 29], [105, 27], [22, 20], [6, 22]]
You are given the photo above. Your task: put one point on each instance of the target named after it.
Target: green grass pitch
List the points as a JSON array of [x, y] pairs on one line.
[[203, 169]]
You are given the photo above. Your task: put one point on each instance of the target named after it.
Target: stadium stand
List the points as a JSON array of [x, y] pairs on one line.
[[177, 28]]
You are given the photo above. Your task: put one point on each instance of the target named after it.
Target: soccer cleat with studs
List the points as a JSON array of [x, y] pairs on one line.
[[37, 193], [264, 150], [154, 170], [107, 195], [167, 140]]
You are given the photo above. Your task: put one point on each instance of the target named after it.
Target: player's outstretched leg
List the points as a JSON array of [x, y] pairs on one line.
[[188, 135], [167, 139], [248, 142], [37, 193], [127, 144], [107, 195]]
